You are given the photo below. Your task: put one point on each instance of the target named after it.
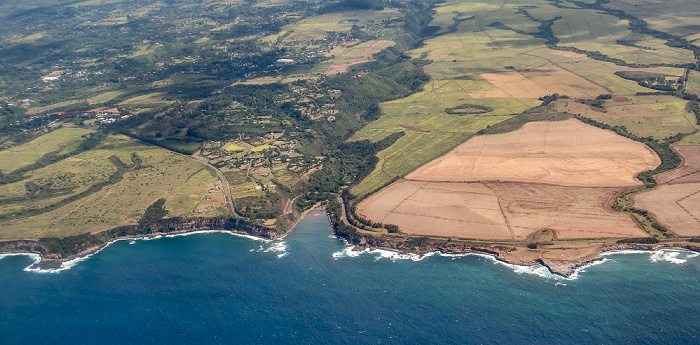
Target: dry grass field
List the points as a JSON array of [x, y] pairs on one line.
[[352, 53], [675, 206], [98, 99], [568, 153], [538, 82], [676, 201], [688, 172], [505, 211]]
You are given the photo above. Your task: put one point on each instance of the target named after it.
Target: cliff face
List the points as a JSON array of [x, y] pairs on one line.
[[231, 224], [363, 242], [55, 250], [23, 246]]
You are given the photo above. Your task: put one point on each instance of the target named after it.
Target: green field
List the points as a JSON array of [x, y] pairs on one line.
[[99, 99], [261, 148], [147, 100], [677, 17], [646, 116], [317, 27], [62, 140], [234, 148], [160, 174], [185, 197], [592, 31], [694, 83]]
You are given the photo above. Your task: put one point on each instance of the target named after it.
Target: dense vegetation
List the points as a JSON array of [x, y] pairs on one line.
[[469, 109], [544, 112], [694, 107], [642, 240]]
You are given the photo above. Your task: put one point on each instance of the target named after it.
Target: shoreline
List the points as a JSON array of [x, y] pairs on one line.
[[567, 269], [301, 217], [564, 269], [45, 264]]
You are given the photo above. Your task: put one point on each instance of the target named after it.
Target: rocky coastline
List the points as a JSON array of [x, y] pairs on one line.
[[564, 268], [52, 259], [54, 252]]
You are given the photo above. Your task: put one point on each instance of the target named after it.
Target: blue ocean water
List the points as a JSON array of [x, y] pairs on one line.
[[217, 288]]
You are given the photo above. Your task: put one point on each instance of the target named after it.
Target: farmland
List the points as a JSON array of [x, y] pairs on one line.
[[98, 99], [567, 174], [566, 153], [655, 116], [591, 31], [491, 55], [62, 140], [501, 211], [694, 82], [147, 100], [677, 17], [317, 27], [352, 53], [674, 202]]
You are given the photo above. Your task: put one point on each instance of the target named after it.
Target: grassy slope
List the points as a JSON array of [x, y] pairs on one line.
[[180, 180], [63, 139]]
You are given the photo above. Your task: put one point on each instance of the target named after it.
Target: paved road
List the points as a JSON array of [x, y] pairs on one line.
[[288, 209], [227, 190]]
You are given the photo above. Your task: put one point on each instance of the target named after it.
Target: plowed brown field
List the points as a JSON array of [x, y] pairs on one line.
[[565, 175], [505, 211], [689, 171], [537, 83], [568, 153]]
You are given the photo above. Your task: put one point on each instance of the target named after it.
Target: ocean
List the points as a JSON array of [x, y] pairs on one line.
[[309, 288]]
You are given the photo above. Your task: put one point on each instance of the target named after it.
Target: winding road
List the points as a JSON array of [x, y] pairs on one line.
[[227, 189]]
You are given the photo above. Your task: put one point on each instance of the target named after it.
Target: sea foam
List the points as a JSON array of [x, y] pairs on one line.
[[672, 256], [276, 246], [349, 251], [537, 269], [73, 262]]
